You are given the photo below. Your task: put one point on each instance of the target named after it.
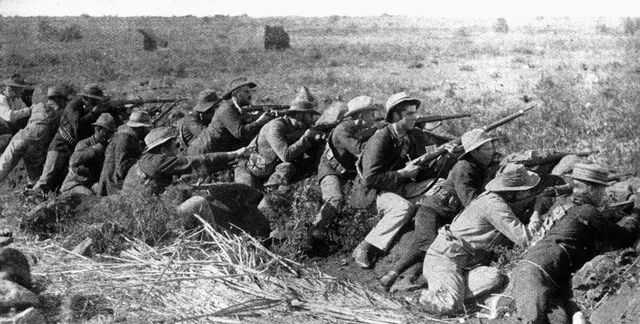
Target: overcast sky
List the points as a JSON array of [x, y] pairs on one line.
[[261, 8]]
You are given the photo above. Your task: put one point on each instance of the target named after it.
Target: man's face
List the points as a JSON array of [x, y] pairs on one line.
[[368, 117], [172, 147], [102, 134], [588, 192], [405, 116], [485, 153], [304, 119], [243, 96]]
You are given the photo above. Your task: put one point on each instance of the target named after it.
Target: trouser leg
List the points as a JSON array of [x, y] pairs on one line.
[[331, 189], [34, 159], [197, 205], [54, 171], [447, 287], [483, 280], [532, 293], [11, 155], [396, 211]]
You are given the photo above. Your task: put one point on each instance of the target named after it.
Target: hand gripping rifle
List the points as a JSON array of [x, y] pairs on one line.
[[424, 159], [272, 109]]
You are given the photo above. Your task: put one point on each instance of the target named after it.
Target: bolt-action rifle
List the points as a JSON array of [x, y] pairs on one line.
[[272, 109], [165, 112], [136, 102], [424, 159], [437, 118]]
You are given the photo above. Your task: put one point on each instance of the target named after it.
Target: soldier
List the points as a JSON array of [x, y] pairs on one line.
[[465, 181], [160, 162], [278, 152], [122, 152], [228, 129], [30, 143], [86, 161], [13, 111], [338, 161], [386, 170], [487, 222], [542, 279], [75, 125], [191, 125]]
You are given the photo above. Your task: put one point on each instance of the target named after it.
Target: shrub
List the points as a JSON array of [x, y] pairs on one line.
[[630, 25], [501, 26], [70, 33]]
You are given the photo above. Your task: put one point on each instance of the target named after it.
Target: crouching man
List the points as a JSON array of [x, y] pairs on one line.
[[159, 164], [453, 265], [541, 280]]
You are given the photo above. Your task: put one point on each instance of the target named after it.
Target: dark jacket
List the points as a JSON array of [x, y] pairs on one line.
[[75, 125], [576, 238], [227, 131], [345, 143], [385, 153], [155, 171], [85, 164], [189, 127], [122, 152]]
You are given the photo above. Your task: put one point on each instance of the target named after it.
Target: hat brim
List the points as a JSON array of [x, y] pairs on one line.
[[204, 106], [355, 111], [589, 180], [138, 124], [302, 110], [393, 106], [16, 85], [496, 185], [477, 145], [158, 143], [104, 126], [249, 84]]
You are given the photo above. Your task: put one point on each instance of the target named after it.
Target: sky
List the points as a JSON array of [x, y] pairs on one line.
[[264, 8]]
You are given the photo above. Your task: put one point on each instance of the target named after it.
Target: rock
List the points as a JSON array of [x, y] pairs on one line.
[[14, 266], [28, 316], [84, 248], [12, 295]]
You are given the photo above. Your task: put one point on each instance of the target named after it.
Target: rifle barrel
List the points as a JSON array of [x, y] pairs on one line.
[[507, 119], [436, 118]]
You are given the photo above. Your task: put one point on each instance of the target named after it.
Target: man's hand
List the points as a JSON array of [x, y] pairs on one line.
[[449, 147], [409, 171], [314, 135]]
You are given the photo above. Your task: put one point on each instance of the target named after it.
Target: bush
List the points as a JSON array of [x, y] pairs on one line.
[[46, 31], [70, 33], [630, 25], [501, 26]]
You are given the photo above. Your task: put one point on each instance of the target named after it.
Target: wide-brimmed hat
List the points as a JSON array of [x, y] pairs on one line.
[[58, 91], [304, 102], [473, 139], [206, 100], [358, 104], [106, 120], [237, 84], [159, 136], [513, 177], [139, 118], [396, 99], [94, 91], [17, 81], [590, 173]]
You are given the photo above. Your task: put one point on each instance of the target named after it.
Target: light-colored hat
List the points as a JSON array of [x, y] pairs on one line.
[[206, 100], [58, 91], [106, 120], [396, 99], [358, 104], [93, 90], [16, 80], [237, 84], [159, 136], [513, 177], [473, 139], [590, 173], [139, 118], [304, 102]]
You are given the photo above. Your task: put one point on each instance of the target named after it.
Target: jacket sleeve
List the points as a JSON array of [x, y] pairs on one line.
[[233, 123], [126, 154], [620, 234], [10, 115], [347, 137], [463, 182], [375, 171], [503, 219], [275, 136], [85, 152]]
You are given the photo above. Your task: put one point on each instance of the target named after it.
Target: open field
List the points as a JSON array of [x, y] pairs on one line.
[[585, 79]]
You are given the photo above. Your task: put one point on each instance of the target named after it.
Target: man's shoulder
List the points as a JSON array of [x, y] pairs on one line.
[[584, 210]]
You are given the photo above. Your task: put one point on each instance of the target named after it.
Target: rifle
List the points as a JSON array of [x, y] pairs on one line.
[[424, 159], [163, 113], [136, 102], [276, 110], [554, 158], [437, 118], [620, 176], [557, 190]]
